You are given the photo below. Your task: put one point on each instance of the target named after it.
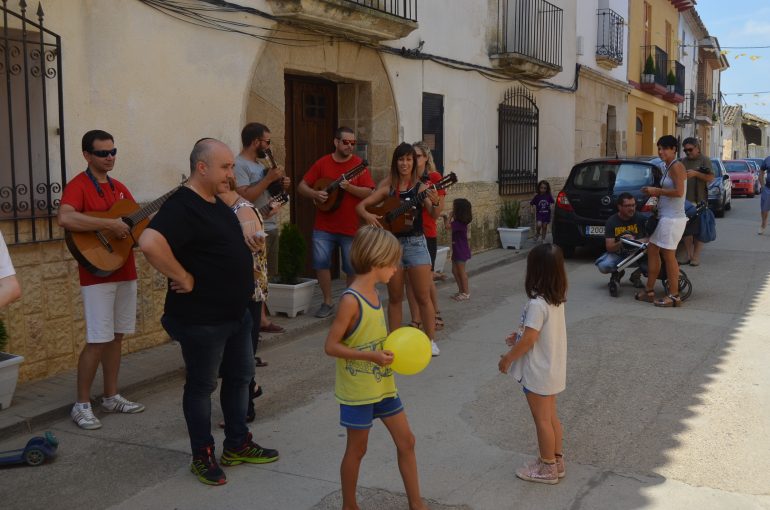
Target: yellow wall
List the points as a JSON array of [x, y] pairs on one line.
[[662, 11], [663, 122]]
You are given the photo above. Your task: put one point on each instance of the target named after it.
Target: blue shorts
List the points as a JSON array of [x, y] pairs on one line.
[[362, 417], [414, 251], [324, 245]]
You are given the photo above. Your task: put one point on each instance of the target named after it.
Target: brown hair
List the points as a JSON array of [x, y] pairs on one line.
[[374, 247], [402, 150], [546, 276]]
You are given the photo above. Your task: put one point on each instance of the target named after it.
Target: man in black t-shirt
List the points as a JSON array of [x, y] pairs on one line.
[[196, 241], [625, 223]]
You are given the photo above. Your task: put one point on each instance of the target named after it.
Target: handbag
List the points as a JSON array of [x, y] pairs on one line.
[[708, 226]]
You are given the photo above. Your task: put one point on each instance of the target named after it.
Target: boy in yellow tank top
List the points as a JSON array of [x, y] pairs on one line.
[[364, 386]]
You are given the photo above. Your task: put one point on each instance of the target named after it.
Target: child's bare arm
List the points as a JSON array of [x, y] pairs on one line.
[[523, 346], [347, 315]]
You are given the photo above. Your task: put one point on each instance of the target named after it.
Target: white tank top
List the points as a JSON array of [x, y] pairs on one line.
[[671, 207]]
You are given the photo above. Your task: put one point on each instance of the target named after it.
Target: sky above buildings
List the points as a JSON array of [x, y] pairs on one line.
[[739, 24]]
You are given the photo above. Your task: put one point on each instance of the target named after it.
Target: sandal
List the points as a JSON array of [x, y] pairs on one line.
[[439, 322], [415, 324], [648, 296], [258, 362], [669, 301], [461, 296]]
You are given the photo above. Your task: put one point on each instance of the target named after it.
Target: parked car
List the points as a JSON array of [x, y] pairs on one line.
[[741, 177], [588, 197], [37, 450], [720, 190], [756, 164]]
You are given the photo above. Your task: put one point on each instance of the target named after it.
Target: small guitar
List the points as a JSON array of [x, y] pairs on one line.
[[276, 187], [332, 187], [393, 210], [100, 252], [278, 200]]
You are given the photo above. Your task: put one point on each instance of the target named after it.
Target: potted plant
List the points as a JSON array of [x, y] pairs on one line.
[[648, 75], [291, 294], [9, 370], [511, 234], [671, 82]]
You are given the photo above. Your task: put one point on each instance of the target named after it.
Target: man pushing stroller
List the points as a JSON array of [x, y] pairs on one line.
[[627, 222]]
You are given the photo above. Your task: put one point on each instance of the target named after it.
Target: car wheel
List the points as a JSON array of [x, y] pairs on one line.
[[750, 195], [729, 204], [720, 212], [34, 457]]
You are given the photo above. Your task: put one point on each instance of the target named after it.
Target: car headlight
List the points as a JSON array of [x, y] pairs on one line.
[[714, 191]]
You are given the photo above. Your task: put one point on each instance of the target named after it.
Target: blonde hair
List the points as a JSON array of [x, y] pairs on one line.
[[374, 247], [430, 165]]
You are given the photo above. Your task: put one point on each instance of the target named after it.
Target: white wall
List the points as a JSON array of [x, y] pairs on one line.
[[587, 21]]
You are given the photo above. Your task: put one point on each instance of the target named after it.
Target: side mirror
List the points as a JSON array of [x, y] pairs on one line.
[[725, 177]]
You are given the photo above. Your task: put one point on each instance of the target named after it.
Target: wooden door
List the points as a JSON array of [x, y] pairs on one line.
[[311, 118]]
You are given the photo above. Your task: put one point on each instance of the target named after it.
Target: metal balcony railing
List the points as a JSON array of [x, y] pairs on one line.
[[685, 110], [531, 28], [609, 35], [405, 9], [705, 106], [660, 60], [679, 73]]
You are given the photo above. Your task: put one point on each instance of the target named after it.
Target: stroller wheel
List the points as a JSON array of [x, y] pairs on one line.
[[685, 286], [614, 288]]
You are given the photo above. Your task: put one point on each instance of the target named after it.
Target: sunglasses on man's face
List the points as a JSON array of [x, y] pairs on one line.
[[104, 154], [347, 142], [687, 151]]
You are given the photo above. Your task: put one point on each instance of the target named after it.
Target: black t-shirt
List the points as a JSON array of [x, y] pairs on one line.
[[616, 227], [207, 240]]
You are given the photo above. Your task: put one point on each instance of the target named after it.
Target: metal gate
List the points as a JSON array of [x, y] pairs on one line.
[[32, 163], [517, 149]]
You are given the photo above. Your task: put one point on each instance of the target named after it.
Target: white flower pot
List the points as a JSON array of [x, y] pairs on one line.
[[291, 299], [513, 237], [9, 374], [441, 255]]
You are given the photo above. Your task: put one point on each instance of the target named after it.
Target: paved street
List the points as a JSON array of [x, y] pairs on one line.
[[664, 408]]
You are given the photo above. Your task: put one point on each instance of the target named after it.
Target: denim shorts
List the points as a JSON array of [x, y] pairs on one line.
[[414, 251], [324, 245], [362, 417]]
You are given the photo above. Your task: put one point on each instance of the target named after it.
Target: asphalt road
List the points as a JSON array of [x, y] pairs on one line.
[[664, 409]]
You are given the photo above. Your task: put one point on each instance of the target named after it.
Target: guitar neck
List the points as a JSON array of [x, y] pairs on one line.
[[350, 174], [150, 208], [405, 206]]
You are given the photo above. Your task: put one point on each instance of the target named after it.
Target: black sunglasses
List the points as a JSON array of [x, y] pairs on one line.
[[104, 154]]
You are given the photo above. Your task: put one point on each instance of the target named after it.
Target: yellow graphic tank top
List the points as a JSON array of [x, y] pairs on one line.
[[363, 382]]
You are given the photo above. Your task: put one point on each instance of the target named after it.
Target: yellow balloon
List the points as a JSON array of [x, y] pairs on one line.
[[410, 348]]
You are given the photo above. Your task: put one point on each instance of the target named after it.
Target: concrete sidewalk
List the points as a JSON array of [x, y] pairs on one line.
[[37, 403]]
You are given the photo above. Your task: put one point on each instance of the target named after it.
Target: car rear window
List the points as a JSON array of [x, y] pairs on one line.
[[625, 175], [736, 166]]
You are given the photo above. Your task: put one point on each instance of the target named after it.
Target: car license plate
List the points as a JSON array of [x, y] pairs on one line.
[[595, 230]]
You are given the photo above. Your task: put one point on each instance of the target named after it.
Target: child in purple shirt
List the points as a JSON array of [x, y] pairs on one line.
[[542, 203]]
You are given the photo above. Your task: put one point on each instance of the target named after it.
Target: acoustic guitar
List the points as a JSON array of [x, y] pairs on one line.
[[393, 211], [100, 251], [333, 190], [279, 200]]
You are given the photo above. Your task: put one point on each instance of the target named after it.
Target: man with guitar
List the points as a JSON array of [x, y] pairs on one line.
[[259, 183], [336, 221], [109, 301]]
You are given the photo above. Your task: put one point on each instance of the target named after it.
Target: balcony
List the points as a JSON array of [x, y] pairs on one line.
[[653, 80], [529, 40], [686, 110], [705, 109], [675, 92], [366, 20], [609, 39]]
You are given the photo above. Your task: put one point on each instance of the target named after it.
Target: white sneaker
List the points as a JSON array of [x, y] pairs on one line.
[[83, 415], [434, 350], [118, 404]]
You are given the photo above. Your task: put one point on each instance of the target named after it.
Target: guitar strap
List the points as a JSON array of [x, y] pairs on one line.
[[98, 186]]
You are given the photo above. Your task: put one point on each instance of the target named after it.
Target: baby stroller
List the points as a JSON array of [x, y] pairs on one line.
[[638, 256]]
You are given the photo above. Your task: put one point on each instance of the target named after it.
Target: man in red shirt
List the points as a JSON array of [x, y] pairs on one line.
[[335, 228], [110, 301]]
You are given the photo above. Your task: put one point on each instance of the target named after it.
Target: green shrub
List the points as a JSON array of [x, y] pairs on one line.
[[510, 214], [291, 254], [649, 65], [671, 78], [3, 337]]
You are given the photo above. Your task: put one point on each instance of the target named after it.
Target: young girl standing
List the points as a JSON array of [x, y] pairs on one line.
[[542, 203], [538, 358], [459, 219]]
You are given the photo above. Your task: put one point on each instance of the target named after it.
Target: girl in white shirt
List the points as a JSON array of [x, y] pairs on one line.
[[538, 358]]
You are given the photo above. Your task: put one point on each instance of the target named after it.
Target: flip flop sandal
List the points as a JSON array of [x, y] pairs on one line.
[[669, 302], [415, 324], [648, 296], [258, 362], [439, 322], [461, 296]]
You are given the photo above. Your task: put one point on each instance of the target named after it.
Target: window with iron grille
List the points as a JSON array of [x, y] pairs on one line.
[[32, 162], [517, 149], [433, 126]]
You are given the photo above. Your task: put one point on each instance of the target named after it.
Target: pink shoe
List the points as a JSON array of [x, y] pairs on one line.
[[538, 471], [560, 466]]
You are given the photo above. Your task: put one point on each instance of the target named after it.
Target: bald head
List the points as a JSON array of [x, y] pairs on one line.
[[202, 151]]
